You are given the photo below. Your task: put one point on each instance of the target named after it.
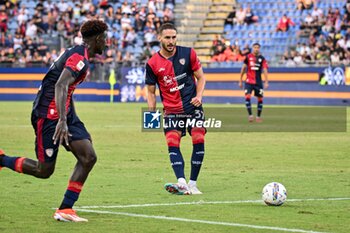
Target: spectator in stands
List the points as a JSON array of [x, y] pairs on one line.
[[246, 50], [11, 56], [126, 22], [31, 30], [157, 23], [335, 59], [168, 13], [143, 13], [218, 41], [284, 24], [250, 17], [147, 53], [151, 5], [305, 49], [130, 37], [219, 56], [51, 21], [128, 59], [316, 12], [305, 4], [109, 63], [230, 19], [228, 52], [22, 17], [237, 55], [150, 36], [62, 5], [54, 54], [3, 24], [41, 47], [240, 16], [104, 4], [138, 23], [47, 59], [62, 19], [18, 42]]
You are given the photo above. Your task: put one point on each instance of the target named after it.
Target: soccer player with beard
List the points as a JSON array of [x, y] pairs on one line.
[[178, 74], [55, 121], [254, 65]]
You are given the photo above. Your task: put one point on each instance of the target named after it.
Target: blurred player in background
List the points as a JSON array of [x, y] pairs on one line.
[[55, 122], [254, 65], [180, 79]]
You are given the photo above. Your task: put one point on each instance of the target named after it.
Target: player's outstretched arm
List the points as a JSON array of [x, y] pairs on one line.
[[151, 97], [61, 92], [197, 101], [243, 70]]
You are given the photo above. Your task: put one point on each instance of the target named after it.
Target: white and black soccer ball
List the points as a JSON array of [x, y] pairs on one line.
[[274, 194]]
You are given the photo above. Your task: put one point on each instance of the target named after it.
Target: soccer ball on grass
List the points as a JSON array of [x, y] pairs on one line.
[[274, 194]]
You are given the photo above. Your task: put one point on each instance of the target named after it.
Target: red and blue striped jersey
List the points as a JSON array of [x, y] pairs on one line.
[[75, 60], [255, 66], [175, 79]]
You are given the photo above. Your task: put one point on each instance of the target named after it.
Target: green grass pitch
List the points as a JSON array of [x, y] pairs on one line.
[[133, 166]]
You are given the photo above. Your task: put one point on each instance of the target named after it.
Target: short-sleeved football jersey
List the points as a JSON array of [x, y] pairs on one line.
[[175, 79], [74, 59], [255, 66]]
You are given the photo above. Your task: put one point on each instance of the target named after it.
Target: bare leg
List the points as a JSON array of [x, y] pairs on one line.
[[86, 157], [85, 154], [38, 169]]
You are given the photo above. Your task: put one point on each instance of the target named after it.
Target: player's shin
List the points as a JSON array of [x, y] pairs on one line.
[[197, 153], [260, 106], [248, 104], [178, 164]]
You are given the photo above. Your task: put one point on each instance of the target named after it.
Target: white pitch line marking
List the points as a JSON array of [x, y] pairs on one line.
[[199, 221], [207, 203]]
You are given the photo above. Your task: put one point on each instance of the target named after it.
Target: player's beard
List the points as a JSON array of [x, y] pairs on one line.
[[165, 47]]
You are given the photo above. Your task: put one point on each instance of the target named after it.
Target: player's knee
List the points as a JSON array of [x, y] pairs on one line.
[[247, 97], [173, 138], [45, 172], [89, 160], [260, 99], [197, 135]]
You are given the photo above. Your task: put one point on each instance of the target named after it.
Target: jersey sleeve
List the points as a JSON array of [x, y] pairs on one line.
[[246, 60], [195, 63], [151, 78], [76, 64], [264, 64]]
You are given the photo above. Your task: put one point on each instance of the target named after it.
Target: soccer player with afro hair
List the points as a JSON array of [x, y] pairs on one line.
[[56, 123]]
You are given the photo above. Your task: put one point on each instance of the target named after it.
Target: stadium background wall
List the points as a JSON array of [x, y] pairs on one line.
[[296, 86]]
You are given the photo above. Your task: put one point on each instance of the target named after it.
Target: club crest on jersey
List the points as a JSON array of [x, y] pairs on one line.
[[259, 59], [80, 65], [167, 80], [49, 152], [182, 61]]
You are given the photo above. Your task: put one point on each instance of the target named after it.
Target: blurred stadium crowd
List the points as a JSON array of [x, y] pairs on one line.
[[323, 34], [33, 33]]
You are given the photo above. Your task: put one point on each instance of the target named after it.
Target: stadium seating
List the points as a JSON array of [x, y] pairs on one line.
[[57, 40], [274, 44]]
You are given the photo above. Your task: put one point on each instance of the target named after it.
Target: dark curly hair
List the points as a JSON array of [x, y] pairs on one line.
[[93, 27]]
